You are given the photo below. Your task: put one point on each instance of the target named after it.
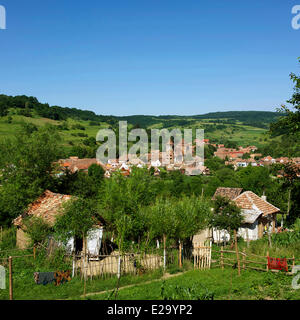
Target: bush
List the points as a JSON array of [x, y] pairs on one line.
[[8, 239], [37, 229]]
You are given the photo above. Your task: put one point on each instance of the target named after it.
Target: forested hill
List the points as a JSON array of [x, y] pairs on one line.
[[31, 107]]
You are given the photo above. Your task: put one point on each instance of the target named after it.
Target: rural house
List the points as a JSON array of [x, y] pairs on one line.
[[48, 207], [259, 215]]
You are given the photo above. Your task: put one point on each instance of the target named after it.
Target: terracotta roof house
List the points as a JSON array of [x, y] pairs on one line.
[[259, 215], [262, 212], [48, 206]]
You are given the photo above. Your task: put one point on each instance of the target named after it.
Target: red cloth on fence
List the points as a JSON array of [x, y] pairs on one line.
[[277, 264]]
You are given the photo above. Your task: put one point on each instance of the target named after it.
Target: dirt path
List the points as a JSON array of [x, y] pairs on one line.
[[164, 277]]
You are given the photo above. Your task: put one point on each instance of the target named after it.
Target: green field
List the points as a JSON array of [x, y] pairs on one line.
[[242, 134]]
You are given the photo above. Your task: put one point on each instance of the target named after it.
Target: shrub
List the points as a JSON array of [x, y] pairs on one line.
[[8, 239], [37, 229]]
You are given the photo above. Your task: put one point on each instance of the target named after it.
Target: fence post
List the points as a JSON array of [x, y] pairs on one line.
[[267, 260], [119, 267], [165, 260], [180, 254], [10, 279], [34, 252], [237, 253], [293, 261], [222, 263], [73, 265], [244, 258]]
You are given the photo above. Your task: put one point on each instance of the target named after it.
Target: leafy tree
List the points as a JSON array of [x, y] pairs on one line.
[[26, 163], [289, 124], [215, 164], [246, 156], [226, 215], [77, 219], [255, 179]]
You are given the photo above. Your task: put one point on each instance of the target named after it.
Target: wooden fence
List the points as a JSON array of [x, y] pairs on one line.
[[7, 261], [223, 258], [202, 256], [116, 264]]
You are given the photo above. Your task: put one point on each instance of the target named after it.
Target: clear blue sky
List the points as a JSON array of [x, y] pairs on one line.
[[150, 57]]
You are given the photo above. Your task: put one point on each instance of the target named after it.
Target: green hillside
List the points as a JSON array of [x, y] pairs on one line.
[[79, 127]]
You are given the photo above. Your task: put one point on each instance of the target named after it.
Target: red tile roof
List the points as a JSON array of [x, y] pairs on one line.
[[249, 200], [230, 193], [47, 206]]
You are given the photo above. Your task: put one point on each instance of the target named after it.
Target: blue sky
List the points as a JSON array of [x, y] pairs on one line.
[[154, 57]]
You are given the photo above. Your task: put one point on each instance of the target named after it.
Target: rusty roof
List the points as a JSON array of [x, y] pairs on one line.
[[47, 206], [230, 193]]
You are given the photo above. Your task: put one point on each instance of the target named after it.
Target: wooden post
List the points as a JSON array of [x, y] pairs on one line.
[[180, 254], [222, 262], [293, 261], [10, 279], [267, 260], [237, 253], [119, 267], [165, 260], [244, 258], [85, 263], [73, 265], [34, 252]]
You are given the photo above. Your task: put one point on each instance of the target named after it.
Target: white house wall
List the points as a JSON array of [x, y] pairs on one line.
[[220, 235], [94, 240], [251, 229], [249, 232]]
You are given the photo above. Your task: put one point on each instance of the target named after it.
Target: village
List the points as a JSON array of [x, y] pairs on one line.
[[149, 152], [242, 157], [95, 250]]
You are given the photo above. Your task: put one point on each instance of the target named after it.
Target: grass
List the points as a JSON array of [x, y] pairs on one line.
[[223, 284], [180, 284], [24, 287]]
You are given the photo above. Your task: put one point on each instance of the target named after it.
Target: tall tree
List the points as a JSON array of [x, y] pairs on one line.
[[26, 163]]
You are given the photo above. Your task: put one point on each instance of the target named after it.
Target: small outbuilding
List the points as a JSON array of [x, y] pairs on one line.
[[48, 206]]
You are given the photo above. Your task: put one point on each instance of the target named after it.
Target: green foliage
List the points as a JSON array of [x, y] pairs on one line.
[[226, 215], [37, 229], [255, 179], [176, 218], [26, 163], [246, 156], [78, 217], [8, 239], [290, 124]]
